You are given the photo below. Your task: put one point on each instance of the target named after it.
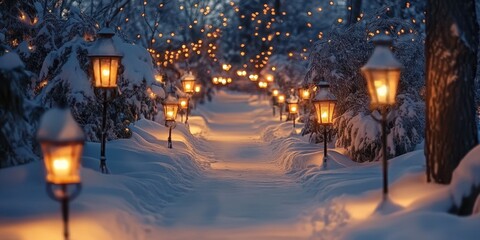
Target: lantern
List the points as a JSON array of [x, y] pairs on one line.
[[304, 93], [170, 108], [183, 102], [281, 98], [198, 88], [105, 60], [292, 105], [215, 80], [269, 78], [61, 140], [253, 77], [382, 72], [226, 67], [324, 102], [188, 82], [275, 92], [262, 84]]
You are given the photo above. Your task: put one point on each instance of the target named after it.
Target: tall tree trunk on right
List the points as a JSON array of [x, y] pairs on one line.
[[451, 55]]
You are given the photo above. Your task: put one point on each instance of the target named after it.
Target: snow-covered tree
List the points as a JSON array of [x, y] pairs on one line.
[[19, 114], [337, 58]]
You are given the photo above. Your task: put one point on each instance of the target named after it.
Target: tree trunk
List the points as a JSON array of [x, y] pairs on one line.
[[451, 55]]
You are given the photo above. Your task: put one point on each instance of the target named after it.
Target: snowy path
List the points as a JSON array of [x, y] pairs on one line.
[[245, 194]]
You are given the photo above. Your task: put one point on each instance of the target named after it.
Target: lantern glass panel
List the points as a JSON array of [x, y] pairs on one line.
[[281, 98], [183, 103], [105, 71], [324, 110], [275, 92], [62, 161], [293, 108], [170, 111], [382, 85]]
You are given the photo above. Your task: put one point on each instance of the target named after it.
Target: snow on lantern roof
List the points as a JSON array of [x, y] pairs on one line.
[[104, 45], [323, 93], [382, 57], [188, 77], [58, 125], [10, 60], [171, 99], [158, 91], [293, 99]]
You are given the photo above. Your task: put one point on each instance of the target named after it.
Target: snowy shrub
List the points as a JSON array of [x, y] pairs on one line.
[[18, 113], [66, 81], [338, 57]]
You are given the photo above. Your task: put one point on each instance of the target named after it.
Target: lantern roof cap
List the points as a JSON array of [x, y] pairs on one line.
[[171, 99], [323, 84], [324, 94], [106, 32], [188, 77], [293, 99], [382, 58], [58, 125], [104, 45]]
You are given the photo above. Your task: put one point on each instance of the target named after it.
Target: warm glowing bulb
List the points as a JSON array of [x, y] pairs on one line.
[[61, 167], [170, 114], [294, 109], [275, 92], [324, 116], [188, 86], [105, 72], [381, 88]]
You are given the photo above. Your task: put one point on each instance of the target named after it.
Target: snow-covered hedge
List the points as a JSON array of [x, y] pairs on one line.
[[338, 57], [17, 112]]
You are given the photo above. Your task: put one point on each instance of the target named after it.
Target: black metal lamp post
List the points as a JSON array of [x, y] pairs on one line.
[[382, 72], [62, 142], [170, 110], [292, 106], [105, 61], [324, 102]]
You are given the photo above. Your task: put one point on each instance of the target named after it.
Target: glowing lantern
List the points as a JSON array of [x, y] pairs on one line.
[[215, 80], [275, 92], [253, 77], [226, 67], [292, 106], [62, 141], [324, 102], [188, 82], [183, 102], [304, 93], [262, 84], [382, 72], [281, 98], [198, 88], [269, 78], [170, 108], [105, 60]]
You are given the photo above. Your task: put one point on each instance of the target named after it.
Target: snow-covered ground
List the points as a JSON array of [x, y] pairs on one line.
[[235, 173]]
